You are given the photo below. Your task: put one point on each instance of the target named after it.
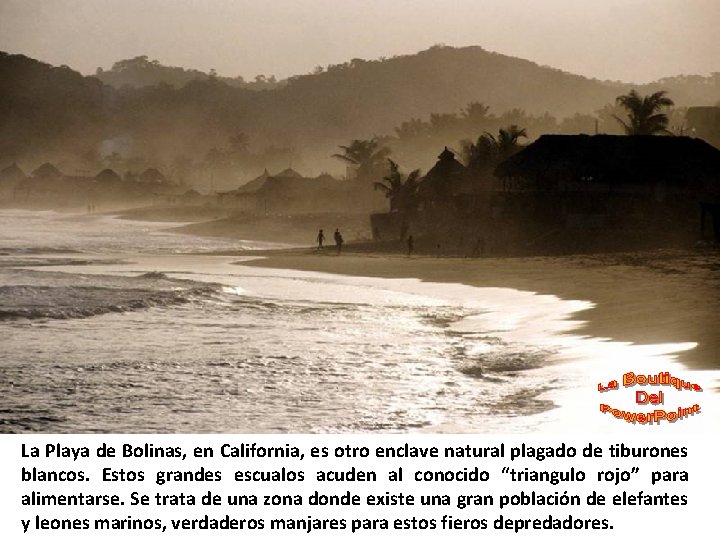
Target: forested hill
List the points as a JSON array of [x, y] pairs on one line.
[[54, 110], [140, 71]]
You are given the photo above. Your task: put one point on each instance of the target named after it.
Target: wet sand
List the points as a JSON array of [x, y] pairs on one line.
[[300, 230], [643, 297]]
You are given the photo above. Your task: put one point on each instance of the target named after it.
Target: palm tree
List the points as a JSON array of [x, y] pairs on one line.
[[412, 129], [443, 123], [490, 150], [481, 154], [476, 113], [401, 191], [367, 157], [644, 113], [238, 146], [507, 141]]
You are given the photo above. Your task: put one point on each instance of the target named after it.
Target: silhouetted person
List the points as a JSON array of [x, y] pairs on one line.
[[320, 239], [410, 245], [338, 241]]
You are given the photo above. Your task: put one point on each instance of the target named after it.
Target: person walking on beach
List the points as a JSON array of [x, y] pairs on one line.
[[338, 241], [320, 239], [410, 245]]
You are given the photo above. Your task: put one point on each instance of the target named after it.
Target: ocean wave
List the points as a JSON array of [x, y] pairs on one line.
[[154, 274], [38, 250], [503, 359], [77, 302], [33, 261]]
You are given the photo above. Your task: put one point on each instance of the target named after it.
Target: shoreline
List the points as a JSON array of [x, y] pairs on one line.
[[643, 297], [640, 297], [298, 230], [551, 364]]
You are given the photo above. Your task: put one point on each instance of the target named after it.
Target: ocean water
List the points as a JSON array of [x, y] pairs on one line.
[[121, 326]]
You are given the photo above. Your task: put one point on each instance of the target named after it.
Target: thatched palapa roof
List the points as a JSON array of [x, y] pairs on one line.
[[47, 171], [614, 159]]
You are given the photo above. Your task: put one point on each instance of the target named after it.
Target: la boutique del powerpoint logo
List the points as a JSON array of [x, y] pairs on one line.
[[653, 393]]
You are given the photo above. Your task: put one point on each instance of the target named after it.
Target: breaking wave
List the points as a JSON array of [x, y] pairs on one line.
[[77, 302]]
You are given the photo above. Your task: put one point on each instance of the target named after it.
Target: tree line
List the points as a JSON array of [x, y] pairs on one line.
[[643, 115]]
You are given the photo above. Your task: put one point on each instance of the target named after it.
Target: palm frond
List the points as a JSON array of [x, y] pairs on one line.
[[379, 186], [628, 129], [344, 158], [413, 177], [644, 117]]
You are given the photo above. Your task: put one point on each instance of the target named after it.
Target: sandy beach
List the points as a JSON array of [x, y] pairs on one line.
[[643, 297], [300, 230], [308, 340]]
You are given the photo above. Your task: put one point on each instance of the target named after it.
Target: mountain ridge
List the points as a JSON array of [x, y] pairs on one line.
[[49, 111]]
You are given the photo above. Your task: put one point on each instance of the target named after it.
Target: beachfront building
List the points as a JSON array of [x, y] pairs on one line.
[[47, 171], [152, 176], [108, 176], [289, 193], [243, 199], [445, 180], [48, 187], [569, 193], [44, 182], [627, 189], [452, 206]]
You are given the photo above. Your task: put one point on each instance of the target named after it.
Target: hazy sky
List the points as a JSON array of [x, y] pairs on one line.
[[630, 40]]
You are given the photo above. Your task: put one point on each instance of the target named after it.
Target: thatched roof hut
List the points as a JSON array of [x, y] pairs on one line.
[[560, 161], [47, 171], [444, 179], [13, 173], [254, 184], [108, 176], [152, 176]]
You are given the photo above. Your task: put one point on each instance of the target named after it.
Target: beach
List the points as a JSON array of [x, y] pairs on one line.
[[642, 297], [113, 324]]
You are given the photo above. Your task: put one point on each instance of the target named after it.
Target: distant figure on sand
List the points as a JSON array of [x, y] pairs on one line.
[[410, 244], [320, 239], [338, 241]]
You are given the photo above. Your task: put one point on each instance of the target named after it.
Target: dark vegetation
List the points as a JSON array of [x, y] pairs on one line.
[[491, 189], [140, 71], [213, 132]]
